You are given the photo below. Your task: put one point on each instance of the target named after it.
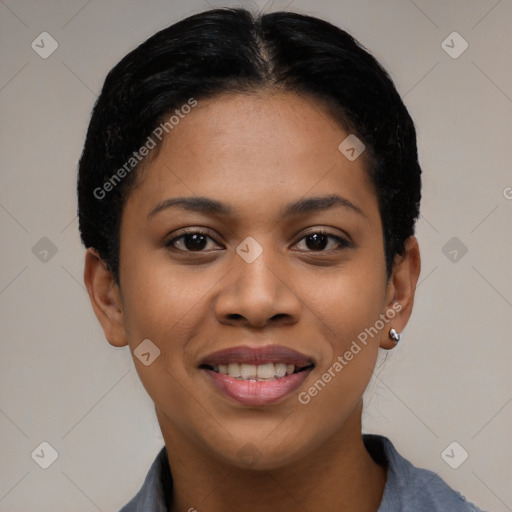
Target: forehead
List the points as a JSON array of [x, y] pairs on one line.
[[254, 150]]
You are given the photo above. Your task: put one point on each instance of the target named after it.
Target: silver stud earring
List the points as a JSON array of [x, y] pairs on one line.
[[395, 336]]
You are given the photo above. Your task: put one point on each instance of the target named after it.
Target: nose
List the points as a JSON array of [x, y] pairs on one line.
[[258, 294]]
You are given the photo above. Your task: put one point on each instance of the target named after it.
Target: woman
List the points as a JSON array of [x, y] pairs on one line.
[[248, 192]]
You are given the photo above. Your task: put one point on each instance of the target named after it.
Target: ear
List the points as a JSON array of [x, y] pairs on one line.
[[401, 289], [105, 298]]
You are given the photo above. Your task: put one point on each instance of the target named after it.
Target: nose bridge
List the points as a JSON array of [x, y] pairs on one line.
[[255, 290], [256, 276]]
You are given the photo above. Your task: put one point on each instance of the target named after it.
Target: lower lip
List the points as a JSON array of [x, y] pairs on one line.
[[261, 392]]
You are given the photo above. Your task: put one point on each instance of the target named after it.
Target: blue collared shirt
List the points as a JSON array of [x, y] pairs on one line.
[[408, 488]]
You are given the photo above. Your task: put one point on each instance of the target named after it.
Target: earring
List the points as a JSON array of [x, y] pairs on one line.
[[395, 336]]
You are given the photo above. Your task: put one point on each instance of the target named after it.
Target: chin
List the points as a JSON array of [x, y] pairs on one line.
[[262, 454]]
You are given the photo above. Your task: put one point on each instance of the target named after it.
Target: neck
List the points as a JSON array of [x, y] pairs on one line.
[[339, 476]]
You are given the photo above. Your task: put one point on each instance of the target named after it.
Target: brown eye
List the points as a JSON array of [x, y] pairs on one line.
[[193, 241], [316, 241], [319, 241]]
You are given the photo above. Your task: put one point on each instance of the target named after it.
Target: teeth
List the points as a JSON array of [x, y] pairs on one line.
[[249, 371], [234, 370], [267, 371], [280, 369]]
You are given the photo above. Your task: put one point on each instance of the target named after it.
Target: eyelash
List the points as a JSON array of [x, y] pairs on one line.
[[342, 242]]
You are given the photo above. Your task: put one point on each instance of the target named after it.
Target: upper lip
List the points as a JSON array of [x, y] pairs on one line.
[[257, 355]]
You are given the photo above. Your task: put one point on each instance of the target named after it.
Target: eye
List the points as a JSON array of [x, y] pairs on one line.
[[191, 241], [199, 241], [318, 240]]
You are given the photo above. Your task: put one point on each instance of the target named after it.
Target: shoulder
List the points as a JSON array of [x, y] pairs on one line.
[[413, 489], [408, 488], [154, 495]]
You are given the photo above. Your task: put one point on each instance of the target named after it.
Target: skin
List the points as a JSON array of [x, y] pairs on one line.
[[256, 153]]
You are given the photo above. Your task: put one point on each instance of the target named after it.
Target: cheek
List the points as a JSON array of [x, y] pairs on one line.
[[347, 308], [347, 300], [159, 299], [166, 307], [347, 305]]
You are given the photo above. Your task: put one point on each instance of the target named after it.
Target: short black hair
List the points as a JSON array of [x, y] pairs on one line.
[[232, 50]]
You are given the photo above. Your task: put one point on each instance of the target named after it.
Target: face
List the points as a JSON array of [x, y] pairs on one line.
[[252, 257]]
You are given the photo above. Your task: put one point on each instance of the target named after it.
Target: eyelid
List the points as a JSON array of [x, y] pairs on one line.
[[190, 231], [328, 231], [343, 240]]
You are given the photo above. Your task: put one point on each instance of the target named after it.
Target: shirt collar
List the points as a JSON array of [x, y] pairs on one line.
[[156, 492]]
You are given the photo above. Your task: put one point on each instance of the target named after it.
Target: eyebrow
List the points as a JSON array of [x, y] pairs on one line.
[[314, 204], [195, 204], [300, 207]]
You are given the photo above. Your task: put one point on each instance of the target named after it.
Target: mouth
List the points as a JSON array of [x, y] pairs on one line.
[[256, 373], [257, 376]]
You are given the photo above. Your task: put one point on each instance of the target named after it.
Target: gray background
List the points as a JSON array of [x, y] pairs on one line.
[[448, 380]]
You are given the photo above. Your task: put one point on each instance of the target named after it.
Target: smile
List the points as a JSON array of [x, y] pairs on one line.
[[261, 372], [257, 376]]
